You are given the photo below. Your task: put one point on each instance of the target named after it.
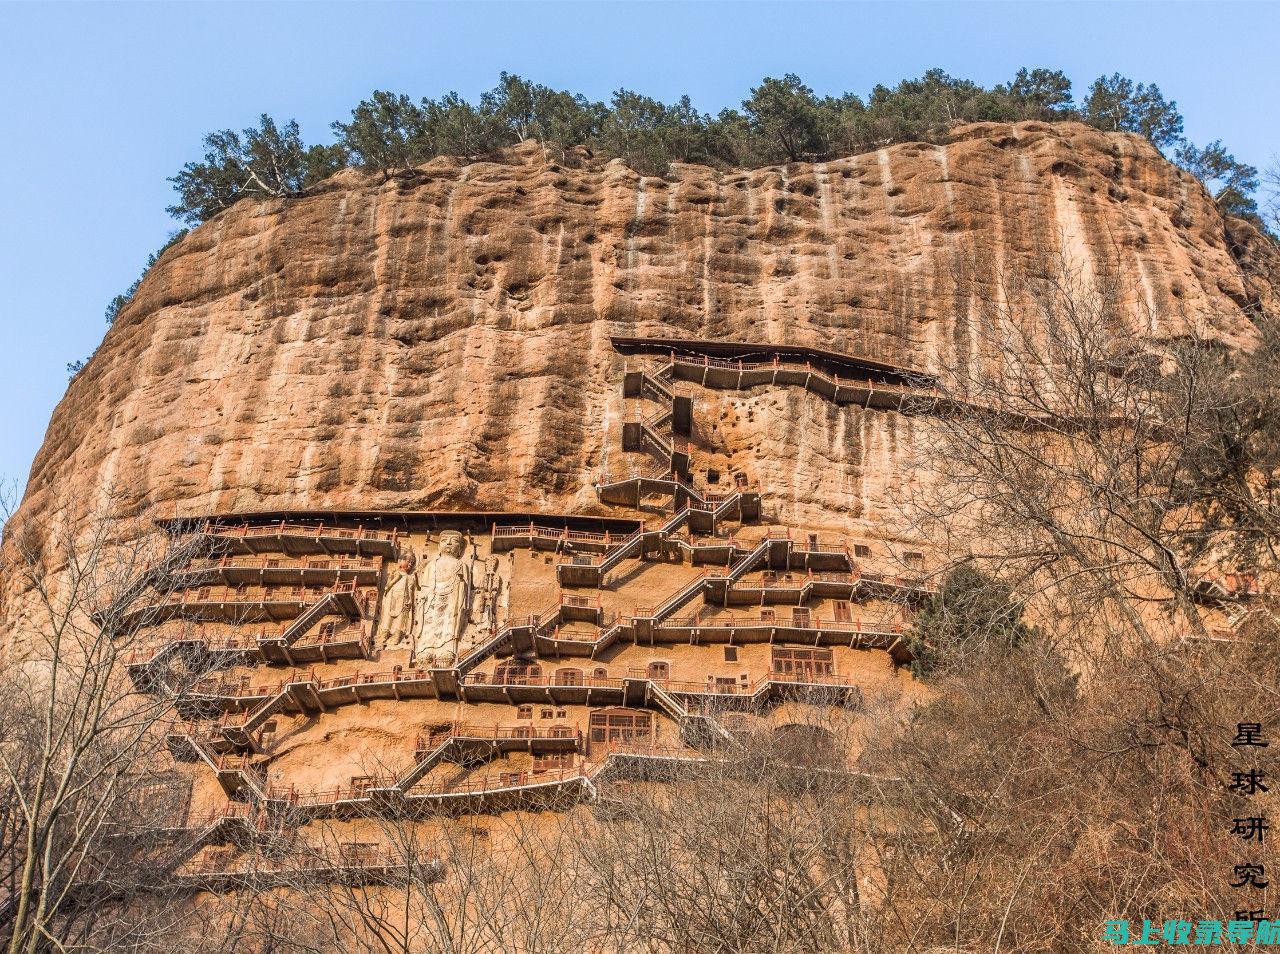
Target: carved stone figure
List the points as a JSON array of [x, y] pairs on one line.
[[444, 603], [400, 603], [489, 593]]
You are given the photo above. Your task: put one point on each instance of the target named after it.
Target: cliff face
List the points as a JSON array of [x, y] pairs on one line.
[[443, 342]]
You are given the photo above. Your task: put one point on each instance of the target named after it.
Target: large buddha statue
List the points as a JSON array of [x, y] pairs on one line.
[[444, 603]]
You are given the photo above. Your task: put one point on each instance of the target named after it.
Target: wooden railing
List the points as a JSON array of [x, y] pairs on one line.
[[710, 687], [429, 741], [284, 528], [236, 763], [704, 619], [539, 680], [555, 533], [206, 729], [232, 689], [824, 548], [706, 687], [657, 418], [257, 594], [229, 810], [348, 631], [820, 679], [776, 364], [800, 579], [240, 562], [601, 751], [315, 798], [561, 635], [398, 674]]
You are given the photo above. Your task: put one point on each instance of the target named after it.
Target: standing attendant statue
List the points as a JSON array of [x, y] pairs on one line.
[[400, 603], [444, 603]]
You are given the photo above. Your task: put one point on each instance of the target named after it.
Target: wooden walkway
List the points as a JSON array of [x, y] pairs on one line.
[[299, 538], [253, 604], [237, 570], [225, 718]]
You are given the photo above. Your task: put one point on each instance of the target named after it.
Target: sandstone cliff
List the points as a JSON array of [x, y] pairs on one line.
[[443, 342]]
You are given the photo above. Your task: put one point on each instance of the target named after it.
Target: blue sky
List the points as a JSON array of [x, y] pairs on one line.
[[100, 102]]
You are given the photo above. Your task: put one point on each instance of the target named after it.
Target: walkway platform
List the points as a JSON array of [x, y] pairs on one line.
[[254, 604], [300, 538], [236, 570]]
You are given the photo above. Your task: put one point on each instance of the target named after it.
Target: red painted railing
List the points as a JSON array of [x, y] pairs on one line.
[[229, 810], [283, 528], [240, 562], [512, 678], [426, 742], [706, 620], [710, 687], [259, 594], [553, 533], [349, 631]]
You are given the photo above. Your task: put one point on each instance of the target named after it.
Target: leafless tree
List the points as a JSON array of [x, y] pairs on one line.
[[452, 884], [1112, 465], [1269, 204], [85, 798], [757, 849], [1088, 461]]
